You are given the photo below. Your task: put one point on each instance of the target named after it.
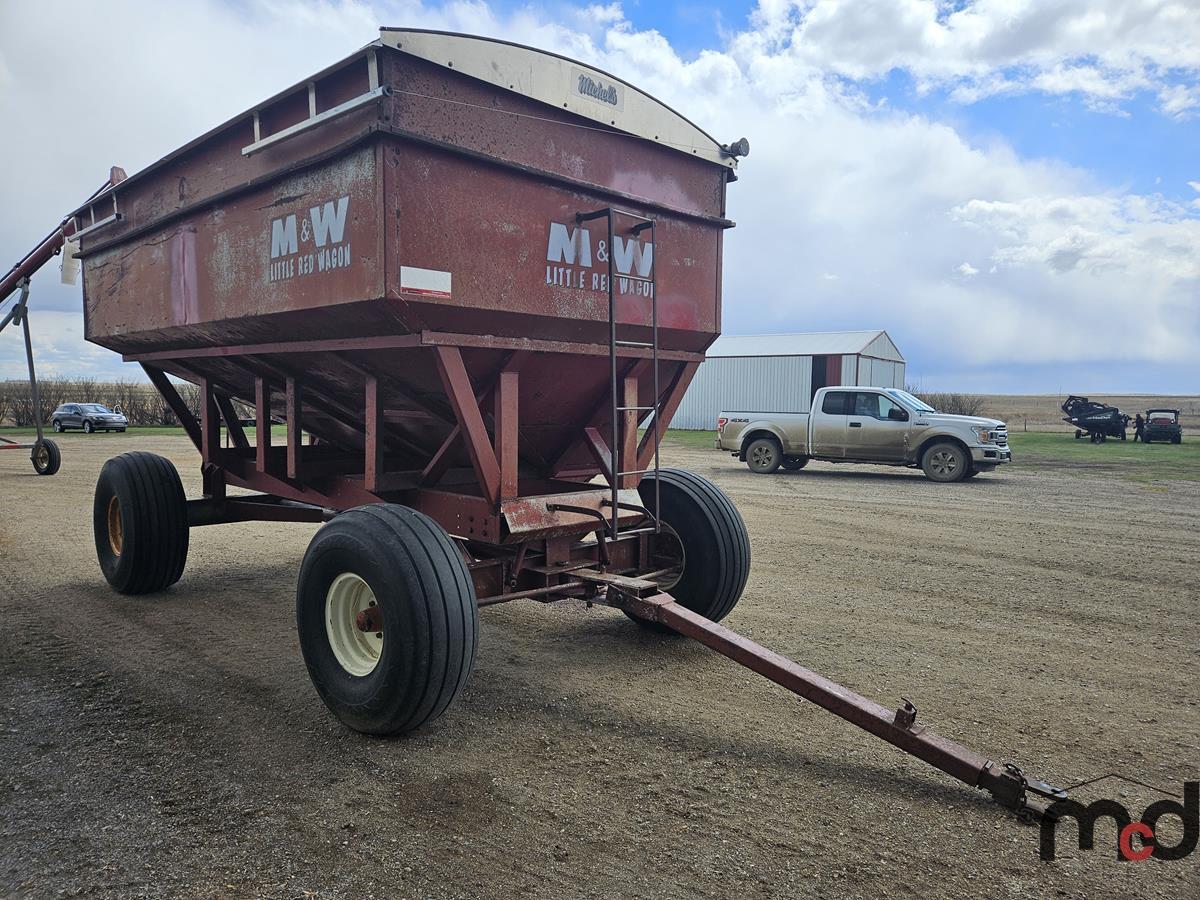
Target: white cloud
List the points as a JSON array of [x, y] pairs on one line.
[[891, 202], [1102, 49], [1179, 100]]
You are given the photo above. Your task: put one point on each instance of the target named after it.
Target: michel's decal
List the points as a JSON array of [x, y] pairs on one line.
[[310, 244], [593, 87]]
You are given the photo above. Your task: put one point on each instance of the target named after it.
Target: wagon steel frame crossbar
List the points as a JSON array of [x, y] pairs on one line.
[[1008, 785]]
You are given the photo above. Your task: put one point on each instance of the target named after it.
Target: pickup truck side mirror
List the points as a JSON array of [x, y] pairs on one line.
[[897, 415]]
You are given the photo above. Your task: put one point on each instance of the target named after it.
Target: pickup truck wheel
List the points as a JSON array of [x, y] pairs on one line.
[[971, 473], [945, 462], [387, 618], [764, 456], [706, 535], [794, 463]]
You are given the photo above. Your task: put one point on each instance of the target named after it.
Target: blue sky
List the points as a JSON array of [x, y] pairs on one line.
[[1010, 187]]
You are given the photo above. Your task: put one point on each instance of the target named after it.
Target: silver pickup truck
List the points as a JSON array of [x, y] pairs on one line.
[[883, 426]]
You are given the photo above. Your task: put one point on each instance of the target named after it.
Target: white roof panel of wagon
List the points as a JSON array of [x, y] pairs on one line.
[[562, 83]]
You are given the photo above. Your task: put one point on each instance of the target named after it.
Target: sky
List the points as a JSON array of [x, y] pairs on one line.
[[1011, 188]]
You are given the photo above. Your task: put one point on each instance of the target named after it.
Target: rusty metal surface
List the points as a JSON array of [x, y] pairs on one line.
[[366, 279]]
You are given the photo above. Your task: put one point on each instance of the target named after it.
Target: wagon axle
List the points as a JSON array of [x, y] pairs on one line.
[[369, 619]]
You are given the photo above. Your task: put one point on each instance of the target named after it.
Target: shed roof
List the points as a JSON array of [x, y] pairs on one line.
[[875, 343]]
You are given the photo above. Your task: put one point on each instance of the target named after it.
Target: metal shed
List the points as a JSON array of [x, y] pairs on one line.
[[782, 372]]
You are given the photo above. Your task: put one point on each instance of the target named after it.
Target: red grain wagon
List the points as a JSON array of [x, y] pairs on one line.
[[479, 278]]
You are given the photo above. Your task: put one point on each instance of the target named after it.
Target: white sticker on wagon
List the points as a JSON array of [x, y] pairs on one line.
[[424, 281]]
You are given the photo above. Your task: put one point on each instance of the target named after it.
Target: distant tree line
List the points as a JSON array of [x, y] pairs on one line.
[[954, 404], [140, 402]]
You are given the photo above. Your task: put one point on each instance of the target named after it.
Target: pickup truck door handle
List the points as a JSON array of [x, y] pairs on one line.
[[856, 424]]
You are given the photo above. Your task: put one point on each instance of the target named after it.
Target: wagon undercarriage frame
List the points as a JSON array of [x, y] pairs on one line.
[[520, 529], [522, 536]]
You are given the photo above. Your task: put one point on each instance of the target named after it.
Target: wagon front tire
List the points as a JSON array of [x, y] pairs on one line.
[[703, 538], [387, 618], [140, 523]]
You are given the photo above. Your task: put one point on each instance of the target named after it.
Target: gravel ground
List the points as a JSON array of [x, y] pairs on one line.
[[172, 745]]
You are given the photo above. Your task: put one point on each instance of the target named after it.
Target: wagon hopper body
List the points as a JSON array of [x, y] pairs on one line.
[[474, 280]]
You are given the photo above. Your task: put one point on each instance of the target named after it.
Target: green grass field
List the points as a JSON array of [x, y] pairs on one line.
[[1153, 462], [1060, 451], [1041, 450]]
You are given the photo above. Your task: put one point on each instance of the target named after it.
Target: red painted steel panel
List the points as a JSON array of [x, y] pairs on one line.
[[409, 215]]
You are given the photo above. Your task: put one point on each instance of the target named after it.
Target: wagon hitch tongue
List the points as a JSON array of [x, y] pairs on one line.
[[1008, 785]]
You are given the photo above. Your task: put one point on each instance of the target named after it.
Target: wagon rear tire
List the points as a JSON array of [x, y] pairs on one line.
[[713, 539], [139, 519], [46, 457], [386, 612]]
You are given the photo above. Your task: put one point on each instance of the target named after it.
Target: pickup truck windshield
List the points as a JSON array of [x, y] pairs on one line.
[[909, 400]]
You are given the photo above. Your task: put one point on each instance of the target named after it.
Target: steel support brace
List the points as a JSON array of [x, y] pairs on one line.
[[628, 458], [601, 454], [163, 385], [373, 464], [440, 460], [232, 422], [457, 384], [294, 427], [670, 404], [22, 310], [262, 423], [210, 423], [506, 418], [898, 727]]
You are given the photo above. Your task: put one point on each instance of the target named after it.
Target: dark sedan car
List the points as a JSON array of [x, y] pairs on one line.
[[88, 416]]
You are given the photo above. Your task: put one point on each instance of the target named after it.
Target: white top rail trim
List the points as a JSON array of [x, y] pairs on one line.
[[314, 121], [562, 83]]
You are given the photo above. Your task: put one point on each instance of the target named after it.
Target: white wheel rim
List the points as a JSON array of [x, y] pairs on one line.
[[357, 651]]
